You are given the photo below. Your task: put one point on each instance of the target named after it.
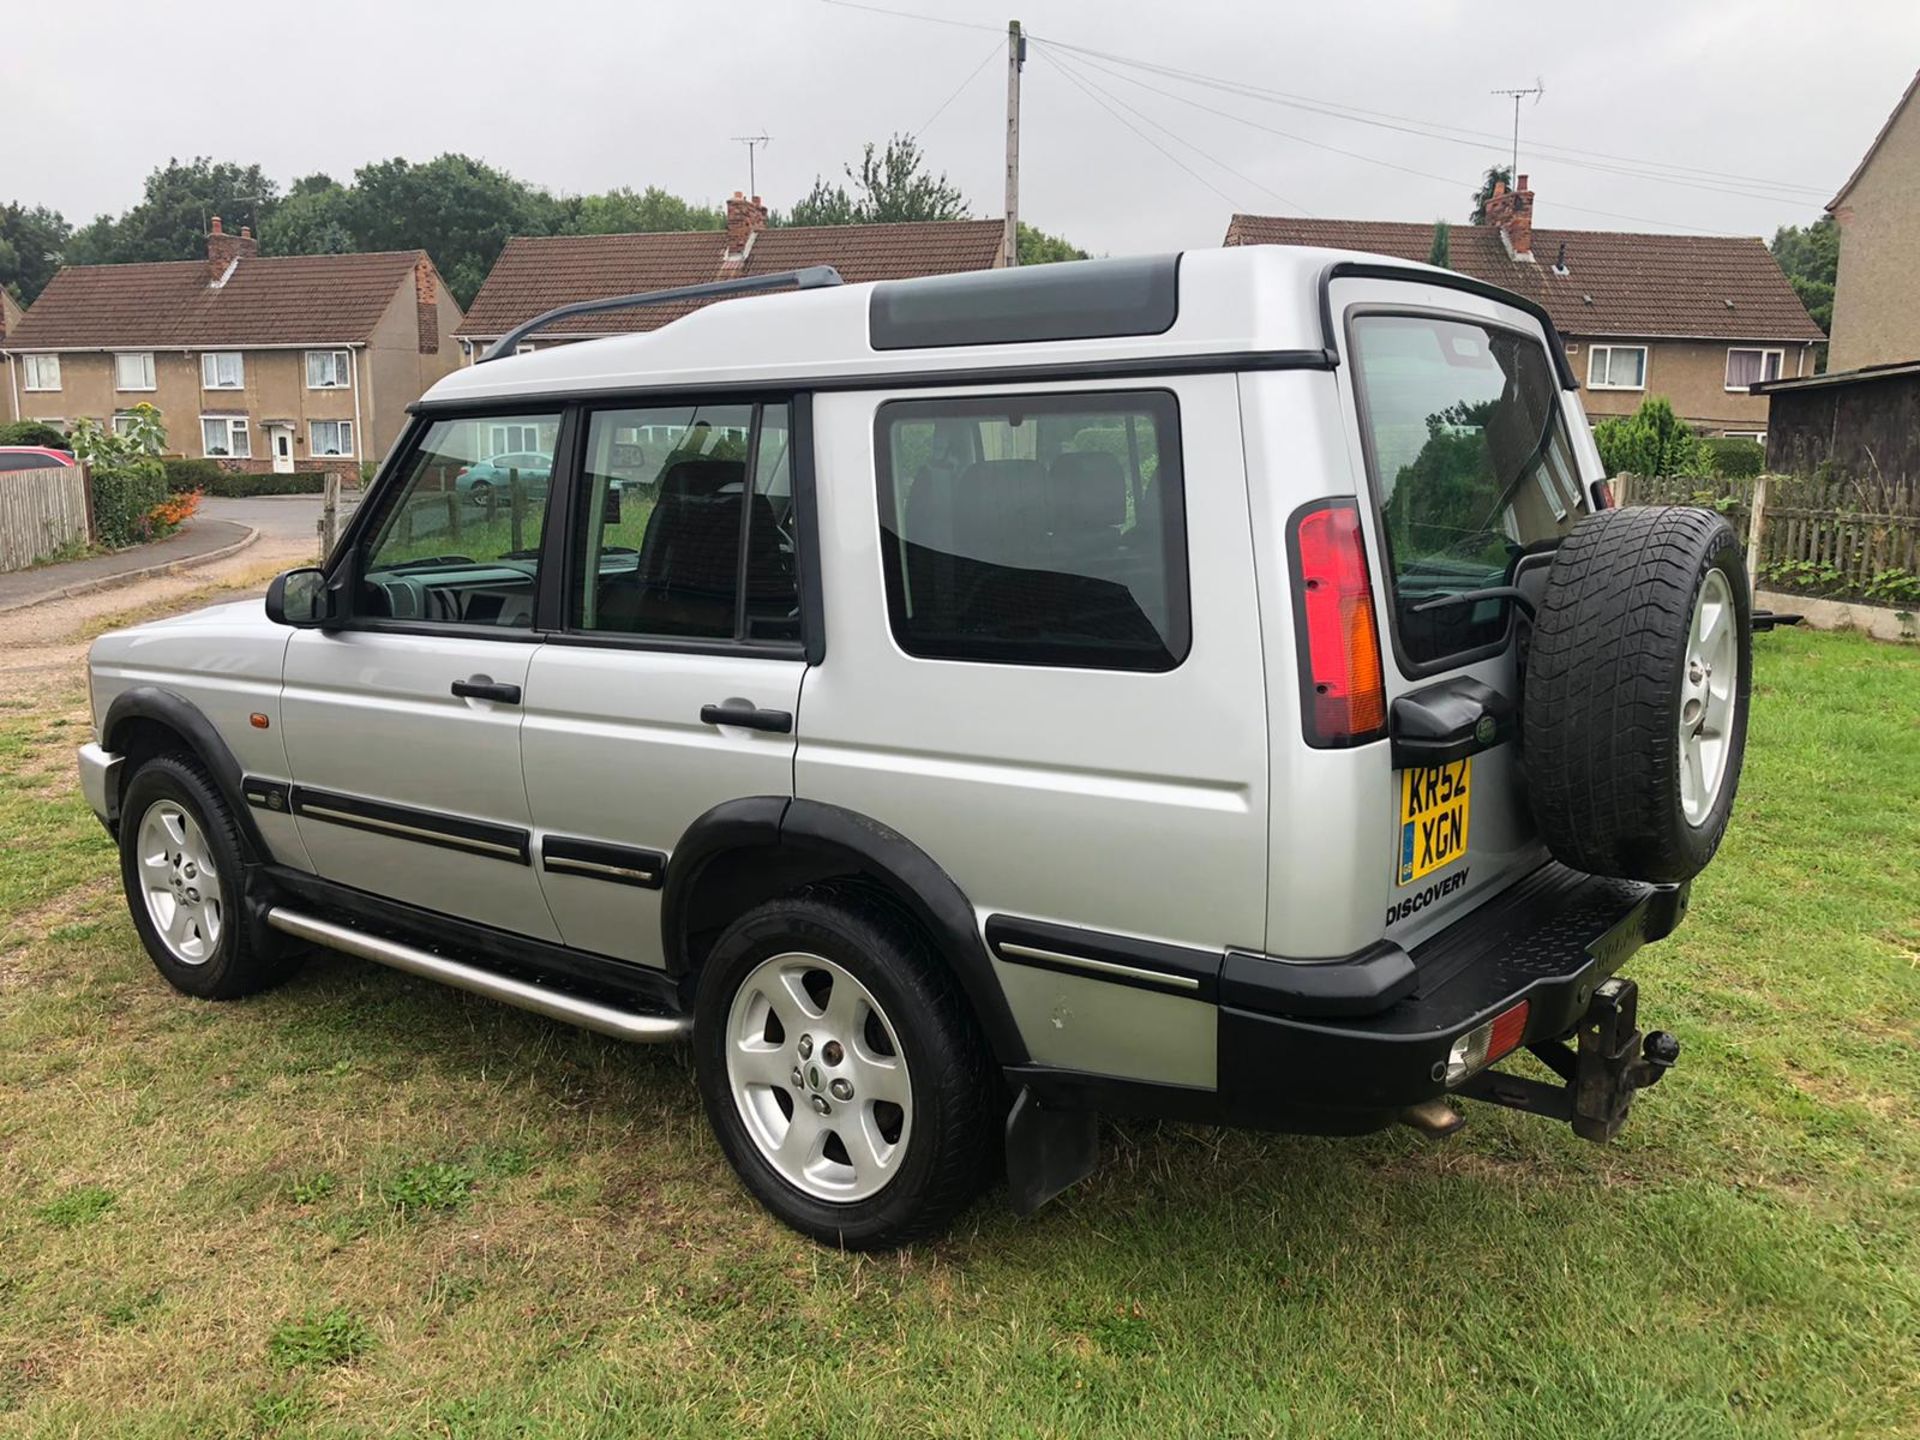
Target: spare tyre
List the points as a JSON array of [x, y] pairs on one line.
[[1635, 713]]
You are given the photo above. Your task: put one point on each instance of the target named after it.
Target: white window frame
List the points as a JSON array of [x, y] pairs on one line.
[[525, 349], [501, 433], [340, 362], [236, 425], [119, 381], [1594, 352], [313, 444], [1762, 351], [40, 363], [210, 370], [119, 419], [1759, 437]]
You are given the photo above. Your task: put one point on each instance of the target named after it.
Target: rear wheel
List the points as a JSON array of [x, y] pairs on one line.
[[1638, 678], [842, 1071], [184, 872]]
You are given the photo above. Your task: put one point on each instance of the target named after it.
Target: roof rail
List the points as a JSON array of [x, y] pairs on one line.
[[814, 277]]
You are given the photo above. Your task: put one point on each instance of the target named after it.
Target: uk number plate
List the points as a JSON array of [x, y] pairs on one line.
[[1434, 808]]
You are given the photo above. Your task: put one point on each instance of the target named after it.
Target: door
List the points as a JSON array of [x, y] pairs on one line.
[[674, 685], [282, 450], [1467, 470], [403, 728]]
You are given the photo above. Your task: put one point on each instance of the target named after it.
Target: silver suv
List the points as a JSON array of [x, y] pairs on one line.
[[1215, 686]]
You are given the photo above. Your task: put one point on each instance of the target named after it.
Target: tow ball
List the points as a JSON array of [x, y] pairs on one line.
[[1608, 1061]]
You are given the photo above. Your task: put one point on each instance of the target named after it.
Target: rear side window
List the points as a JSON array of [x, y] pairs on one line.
[[1471, 467], [1036, 529]]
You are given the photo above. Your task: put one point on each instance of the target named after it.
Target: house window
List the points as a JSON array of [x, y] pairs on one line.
[[329, 369], [507, 439], [330, 437], [43, 372], [1617, 367], [1750, 367], [525, 349], [225, 437], [133, 370], [123, 421], [222, 370]]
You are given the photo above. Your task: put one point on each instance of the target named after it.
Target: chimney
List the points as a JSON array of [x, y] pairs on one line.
[[224, 249], [1512, 212], [745, 219], [426, 303]]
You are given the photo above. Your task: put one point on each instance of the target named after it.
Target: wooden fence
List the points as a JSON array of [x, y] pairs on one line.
[[1847, 538], [41, 511]]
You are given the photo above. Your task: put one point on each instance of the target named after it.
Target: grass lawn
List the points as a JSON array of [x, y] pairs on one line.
[[364, 1206]]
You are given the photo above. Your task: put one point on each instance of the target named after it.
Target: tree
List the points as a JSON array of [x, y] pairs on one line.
[[1039, 248], [1653, 440], [1496, 175], [315, 218], [1810, 256], [30, 244], [624, 211], [457, 209], [1440, 252], [890, 186], [178, 202]]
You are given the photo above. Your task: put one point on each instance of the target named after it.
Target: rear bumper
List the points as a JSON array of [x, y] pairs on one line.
[[100, 782], [1551, 940]]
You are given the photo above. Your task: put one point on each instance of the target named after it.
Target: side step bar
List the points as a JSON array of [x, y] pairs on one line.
[[554, 1004]]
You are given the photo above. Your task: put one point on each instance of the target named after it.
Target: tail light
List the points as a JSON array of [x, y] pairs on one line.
[[1484, 1044], [1345, 700]]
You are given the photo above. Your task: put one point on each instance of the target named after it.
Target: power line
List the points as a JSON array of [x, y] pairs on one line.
[[1178, 139], [914, 15], [985, 60], [1088, 92], [1432, 130]]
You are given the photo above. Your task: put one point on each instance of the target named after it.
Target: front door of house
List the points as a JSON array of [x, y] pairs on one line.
[[282, 450]]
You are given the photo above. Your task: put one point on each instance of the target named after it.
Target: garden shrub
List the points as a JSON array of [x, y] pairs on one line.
[[33, 432], [1651, 441], [1734, 458], [211, 478], [125, 495]]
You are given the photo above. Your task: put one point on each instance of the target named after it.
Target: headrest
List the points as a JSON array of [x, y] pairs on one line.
[[701, 477], [1000, 510]]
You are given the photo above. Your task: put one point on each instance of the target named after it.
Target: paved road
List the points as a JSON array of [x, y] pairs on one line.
[[199, 536], [290, 518]]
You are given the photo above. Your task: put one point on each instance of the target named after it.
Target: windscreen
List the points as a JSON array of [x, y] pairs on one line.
[[1471, 467]]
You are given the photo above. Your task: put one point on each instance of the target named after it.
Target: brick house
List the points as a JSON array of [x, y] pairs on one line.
[[299, 362], [1695, 318], [536, 273], [1876, 295], [10, 316]]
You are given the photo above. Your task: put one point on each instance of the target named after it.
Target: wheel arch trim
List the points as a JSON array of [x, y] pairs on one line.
[[173, 711], [854, 843]]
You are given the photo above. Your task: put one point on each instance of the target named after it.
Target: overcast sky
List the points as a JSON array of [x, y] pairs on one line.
[[583, 95]]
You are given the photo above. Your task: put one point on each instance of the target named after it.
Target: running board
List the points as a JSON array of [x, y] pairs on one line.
[[554, 1004]]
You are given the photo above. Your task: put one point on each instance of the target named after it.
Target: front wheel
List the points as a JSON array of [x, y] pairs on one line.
[[842, 1071], [184, 872]]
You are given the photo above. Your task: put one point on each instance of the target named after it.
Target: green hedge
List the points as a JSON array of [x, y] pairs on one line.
[[1735, 458], [208, 476], [33, 432], [123, 499]]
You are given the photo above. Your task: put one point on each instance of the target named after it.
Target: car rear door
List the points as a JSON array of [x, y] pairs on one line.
[[1470, 459], [672, 682]]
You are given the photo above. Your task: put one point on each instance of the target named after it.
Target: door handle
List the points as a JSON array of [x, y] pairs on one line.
[[480, 687], [735, 712]]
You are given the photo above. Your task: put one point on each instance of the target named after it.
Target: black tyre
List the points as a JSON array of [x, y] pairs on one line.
[[1634, 729], [184, 871], [843, 1072]]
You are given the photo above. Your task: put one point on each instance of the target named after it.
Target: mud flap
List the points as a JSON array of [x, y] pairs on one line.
[[1047, 1151]]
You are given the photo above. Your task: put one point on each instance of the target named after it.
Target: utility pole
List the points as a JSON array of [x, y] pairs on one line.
[[1016, 60], [1537, 89], [753, 143]]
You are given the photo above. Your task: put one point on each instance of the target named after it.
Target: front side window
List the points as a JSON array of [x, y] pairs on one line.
[[222, 370], [1036, 529], [690, 527], [457, 537], [329, 369], [330, 437], [43, 372], [1617, 367], [133, 371], [1750, 367], [1471, 467], [225, 437]]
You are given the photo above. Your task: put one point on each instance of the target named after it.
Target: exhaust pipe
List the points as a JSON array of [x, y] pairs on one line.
[[554, 1004], [1433, 1118]]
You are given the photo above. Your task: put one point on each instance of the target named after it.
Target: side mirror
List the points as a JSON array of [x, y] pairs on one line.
[[300, 598]]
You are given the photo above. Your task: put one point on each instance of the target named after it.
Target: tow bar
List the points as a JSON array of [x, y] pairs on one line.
[[1602, 1071]]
